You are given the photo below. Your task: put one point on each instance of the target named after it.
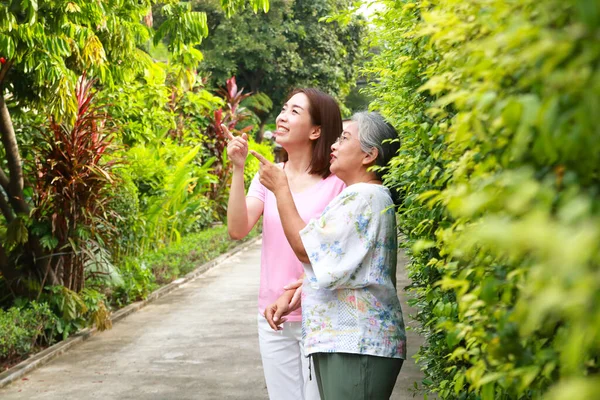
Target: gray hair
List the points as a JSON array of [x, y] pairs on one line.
[[375, 132]]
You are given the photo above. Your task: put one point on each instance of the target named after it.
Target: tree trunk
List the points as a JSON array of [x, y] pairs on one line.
[[15, 205], [5, 207], [14, 185], [261, 130], [10, 274]]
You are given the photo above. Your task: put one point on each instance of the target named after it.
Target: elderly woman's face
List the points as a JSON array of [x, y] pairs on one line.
[[346, 155]]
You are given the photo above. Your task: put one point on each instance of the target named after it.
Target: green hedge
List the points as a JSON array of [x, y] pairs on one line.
[[497, 105], [194, 250], [141, 275], [22, 330]]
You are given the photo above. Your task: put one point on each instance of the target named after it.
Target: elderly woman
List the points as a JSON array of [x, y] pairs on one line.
[[352, 320]]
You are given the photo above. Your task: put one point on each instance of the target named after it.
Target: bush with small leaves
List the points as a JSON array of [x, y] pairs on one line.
[[496, 103]]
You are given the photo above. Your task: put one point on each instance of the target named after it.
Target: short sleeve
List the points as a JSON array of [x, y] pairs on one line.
[[257, 189], [338, 242]]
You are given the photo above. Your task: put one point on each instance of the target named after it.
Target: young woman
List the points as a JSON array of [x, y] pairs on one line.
[[307, 126], [352, 320]]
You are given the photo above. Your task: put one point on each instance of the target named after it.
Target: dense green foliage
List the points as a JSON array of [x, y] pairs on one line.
[[291, 46], [107, 155], [496, 103], [23, 329], [57, 203]]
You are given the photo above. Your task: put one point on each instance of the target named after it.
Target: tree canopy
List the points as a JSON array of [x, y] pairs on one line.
[[291, 46], [46, 48]]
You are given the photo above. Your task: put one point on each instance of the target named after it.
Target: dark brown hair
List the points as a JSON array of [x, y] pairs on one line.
[[324, 112]]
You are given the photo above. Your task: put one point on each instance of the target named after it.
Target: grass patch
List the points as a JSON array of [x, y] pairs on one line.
[[142, 275], [194, 250]]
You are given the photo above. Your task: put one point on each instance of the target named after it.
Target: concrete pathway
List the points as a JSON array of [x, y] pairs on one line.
[[198, 342]]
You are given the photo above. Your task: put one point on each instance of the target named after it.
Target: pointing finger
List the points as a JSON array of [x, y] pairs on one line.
[[260, 157], [229, 135]]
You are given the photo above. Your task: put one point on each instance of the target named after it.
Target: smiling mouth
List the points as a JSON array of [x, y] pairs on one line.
[[281, 130]]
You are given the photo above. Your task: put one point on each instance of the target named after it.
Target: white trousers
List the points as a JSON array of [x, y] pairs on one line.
[[284, 362]]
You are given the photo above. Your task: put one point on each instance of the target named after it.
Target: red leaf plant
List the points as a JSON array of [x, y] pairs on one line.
[[73, 187], [216, 142]]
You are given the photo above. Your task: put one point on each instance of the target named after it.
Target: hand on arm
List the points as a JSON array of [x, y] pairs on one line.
[[274, 179], [289, 301], [296, 300], [276, 312]]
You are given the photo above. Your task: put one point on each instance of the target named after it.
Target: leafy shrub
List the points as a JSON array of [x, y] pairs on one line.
[[23, 329], [180, 258], [75, 311], [124, 201], [496, 104], [138, 282], [233, 115], [68, 221], [171, 184], [154, 108]]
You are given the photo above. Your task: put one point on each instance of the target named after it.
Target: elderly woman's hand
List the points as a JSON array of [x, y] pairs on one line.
[[297, 299], [271, 176]]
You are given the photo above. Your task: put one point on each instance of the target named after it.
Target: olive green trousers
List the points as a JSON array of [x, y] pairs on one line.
[[346, 376]]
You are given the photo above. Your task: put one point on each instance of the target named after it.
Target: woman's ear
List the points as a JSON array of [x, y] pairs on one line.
[[371, 157], [315, 134]]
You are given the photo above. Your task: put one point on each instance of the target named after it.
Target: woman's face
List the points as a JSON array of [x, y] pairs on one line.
[[294, 124], [347, 157]]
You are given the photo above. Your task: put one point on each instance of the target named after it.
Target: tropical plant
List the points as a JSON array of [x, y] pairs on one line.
[[75, 311], [216, 140], [69, 214], [171, 187], [170, 214], [68, 223]]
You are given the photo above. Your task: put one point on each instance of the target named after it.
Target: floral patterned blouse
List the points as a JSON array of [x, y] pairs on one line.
[[349, 303]]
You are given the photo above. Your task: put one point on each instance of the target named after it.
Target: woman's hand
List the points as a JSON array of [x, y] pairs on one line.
[[237, 148], [275, 313], [297, 299], [275, 179], [271, 176]]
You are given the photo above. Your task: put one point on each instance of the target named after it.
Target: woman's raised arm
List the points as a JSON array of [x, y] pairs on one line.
[[242, 212]]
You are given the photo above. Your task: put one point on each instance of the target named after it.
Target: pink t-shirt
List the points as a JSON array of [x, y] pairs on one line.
[[279, 264]]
